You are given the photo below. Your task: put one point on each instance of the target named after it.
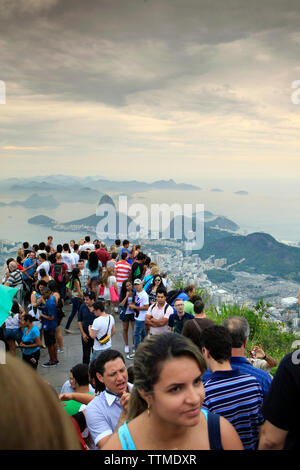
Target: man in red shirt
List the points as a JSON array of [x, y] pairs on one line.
[[102, 254]]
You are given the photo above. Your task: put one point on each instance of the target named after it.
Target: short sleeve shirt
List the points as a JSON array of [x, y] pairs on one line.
[[102, 415], [282, 407], [159, 314], [141, 300], [103, 324], [177, 323], [29, 338]]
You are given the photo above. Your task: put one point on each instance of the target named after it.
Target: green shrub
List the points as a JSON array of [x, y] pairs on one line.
[[269, 335]]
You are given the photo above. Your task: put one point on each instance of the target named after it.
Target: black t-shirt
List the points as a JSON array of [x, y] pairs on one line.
[[282, 404], [137, 270], [52, 258]]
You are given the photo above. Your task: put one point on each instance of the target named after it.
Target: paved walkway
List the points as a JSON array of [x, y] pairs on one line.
[[72, 355]]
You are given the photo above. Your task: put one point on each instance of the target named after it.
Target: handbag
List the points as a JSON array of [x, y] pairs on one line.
[[105, 338], [114, 295], [101, 290]]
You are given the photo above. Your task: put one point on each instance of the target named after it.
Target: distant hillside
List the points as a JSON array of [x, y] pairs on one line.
[[262, 253], [211, 231], [42, 220], [223, 223], [218, 275], [102, 226], [140, 186], [35, 201]]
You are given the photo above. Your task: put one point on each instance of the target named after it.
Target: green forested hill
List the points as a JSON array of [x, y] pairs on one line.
[[262, 253]]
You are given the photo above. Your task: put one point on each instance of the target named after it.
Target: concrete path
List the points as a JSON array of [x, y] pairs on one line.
[[72, 355]]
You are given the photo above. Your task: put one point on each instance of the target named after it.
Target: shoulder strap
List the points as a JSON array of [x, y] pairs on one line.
[[197, 324], [125, 438], [166, 307], [108, 325], [213, 423]]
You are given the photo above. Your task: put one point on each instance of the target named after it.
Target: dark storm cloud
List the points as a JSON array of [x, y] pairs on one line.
[[106, 51]]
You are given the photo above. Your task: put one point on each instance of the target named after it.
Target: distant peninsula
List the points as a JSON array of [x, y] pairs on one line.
[[35, 201], [241, 193], [42, 220]]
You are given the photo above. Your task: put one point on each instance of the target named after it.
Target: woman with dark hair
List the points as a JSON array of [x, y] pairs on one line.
[[164, 410], [36, 306], [44, 276], [76, 295], [60, 314], [12, 329], [93, 265], [152, 288], [31, 341], [127, 295]]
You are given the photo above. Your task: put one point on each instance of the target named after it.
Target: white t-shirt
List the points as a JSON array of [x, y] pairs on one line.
[[159, 314], [76, 258], [12, 322], [100, 324], [141, 299], [46, 266], [110, 282], [69, 260], [87, 246]]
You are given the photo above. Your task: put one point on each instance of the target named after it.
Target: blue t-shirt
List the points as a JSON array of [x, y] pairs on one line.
[[129, 260], [50, 310], [29, 338], [27, 263], [182, 296], [177, 323], [86, 317]]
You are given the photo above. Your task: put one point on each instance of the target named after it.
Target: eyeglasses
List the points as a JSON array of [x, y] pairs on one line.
[[157, 280]]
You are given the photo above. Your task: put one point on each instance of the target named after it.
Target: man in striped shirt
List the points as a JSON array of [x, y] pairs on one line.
[[122, 270], [15, 280], [229, 392]]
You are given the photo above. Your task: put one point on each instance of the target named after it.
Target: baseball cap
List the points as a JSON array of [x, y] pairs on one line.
[[138, 281]]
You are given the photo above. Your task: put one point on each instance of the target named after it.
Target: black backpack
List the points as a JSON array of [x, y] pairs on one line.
[[57, 272], [172, 294], [165, 309]]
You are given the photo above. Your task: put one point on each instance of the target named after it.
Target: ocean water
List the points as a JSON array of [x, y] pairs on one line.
[[270, 211]]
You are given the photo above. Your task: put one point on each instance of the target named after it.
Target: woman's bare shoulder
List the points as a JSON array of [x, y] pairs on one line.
[[229, 437]]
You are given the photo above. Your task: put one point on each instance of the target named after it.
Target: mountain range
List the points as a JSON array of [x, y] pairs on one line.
[[254, 253]]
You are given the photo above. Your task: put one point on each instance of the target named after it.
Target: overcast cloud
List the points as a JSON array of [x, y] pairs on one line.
[[182, 83]]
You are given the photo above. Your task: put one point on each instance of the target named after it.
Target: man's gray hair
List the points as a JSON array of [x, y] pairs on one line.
[[239, 330], [45, 290], [13, 266]]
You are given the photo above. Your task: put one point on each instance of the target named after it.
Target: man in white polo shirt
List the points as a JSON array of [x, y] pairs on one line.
[[107, 411], [158, 314]]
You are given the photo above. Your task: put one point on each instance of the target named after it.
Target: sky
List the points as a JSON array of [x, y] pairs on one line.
[[150, 89]]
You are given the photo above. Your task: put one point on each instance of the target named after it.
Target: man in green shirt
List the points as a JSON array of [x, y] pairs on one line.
[[189, 304]]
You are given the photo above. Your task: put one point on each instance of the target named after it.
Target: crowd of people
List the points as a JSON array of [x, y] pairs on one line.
[[190, 385]]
